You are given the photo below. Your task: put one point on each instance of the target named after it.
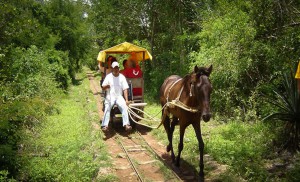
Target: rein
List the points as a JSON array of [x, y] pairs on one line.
[[171, 104]]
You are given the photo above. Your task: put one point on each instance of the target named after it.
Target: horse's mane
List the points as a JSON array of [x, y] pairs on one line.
[[186, 79]]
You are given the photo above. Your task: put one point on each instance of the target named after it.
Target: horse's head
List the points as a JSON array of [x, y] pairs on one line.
[[202, 89]]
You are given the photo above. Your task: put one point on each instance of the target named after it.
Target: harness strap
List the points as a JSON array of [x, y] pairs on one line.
[[183, 106], [179, 94], [176, 102], [192, 88], [171, 88]]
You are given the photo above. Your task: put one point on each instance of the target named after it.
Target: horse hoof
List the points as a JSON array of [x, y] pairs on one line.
[[201, 177], [168, 148]]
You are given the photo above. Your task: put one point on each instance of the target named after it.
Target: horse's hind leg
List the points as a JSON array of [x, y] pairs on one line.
[[173, 124], [180, 145], [170, 146], [166, 122]]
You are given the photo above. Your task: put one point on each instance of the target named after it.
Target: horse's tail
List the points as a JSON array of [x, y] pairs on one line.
[[164, 114], [159, 124]]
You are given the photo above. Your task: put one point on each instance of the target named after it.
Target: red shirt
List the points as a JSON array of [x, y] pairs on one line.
[[133, 73]]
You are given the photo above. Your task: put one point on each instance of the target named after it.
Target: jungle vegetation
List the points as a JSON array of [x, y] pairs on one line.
[[251, 45]]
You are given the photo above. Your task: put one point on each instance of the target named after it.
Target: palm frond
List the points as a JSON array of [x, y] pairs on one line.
[[286, 102], [279, 116]]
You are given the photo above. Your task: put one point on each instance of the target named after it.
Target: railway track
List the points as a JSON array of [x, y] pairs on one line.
[[146, 164], [135, 159]]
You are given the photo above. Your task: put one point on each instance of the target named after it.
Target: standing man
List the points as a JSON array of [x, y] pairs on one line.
[[116, 85]]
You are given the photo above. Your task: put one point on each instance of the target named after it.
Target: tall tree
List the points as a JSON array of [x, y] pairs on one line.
[[68, 20], [165, 26], [249, 43]]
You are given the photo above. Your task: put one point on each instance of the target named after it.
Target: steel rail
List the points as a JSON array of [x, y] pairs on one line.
[[91, 76], [129, 159], [157, 155]]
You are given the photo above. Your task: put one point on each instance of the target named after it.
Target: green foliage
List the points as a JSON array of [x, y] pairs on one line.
[[18, 25], [59, 67], [26, 86], [28, 75], [55, 24], [287, 104], [4, 176], [242, 146], [14, 116], [248, 47], [127, 27], [249, 44], [43, 44], [28, 82], [225, 40], [293, 175], [65, 146], [287, 101]]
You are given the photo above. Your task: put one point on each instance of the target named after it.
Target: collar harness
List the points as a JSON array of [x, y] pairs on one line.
[[177, 102]]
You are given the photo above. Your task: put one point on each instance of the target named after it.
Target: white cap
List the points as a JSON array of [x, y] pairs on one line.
[[114, 64]]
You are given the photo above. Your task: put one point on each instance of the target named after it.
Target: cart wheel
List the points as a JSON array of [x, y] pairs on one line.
[[111, 122]]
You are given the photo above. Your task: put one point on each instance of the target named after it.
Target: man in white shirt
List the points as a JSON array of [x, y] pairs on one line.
[[115, 84]]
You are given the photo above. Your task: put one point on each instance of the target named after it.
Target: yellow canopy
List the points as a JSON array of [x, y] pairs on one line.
[[297, 76], [137, 53]]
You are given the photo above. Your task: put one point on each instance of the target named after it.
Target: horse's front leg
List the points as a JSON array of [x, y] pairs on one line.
[[197, 128], [180, 145]]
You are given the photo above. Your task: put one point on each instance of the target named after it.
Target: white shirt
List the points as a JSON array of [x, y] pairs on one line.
[[117, 85]]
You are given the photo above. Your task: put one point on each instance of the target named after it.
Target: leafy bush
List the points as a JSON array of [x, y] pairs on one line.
[[287, 104], [59, 67], [228, 54], [242, 147], [32, 70], [4, 176], [28, 75], [27, 86], [14, 116]]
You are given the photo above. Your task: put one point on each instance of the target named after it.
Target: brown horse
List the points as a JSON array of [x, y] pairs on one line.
[[187, 99]]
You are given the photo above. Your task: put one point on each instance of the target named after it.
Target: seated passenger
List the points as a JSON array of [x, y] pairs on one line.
[[105, 70], [133, 58], [132, 71], [126, 65]]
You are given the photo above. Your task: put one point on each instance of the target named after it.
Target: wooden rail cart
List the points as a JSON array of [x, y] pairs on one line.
[[140, 54]]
